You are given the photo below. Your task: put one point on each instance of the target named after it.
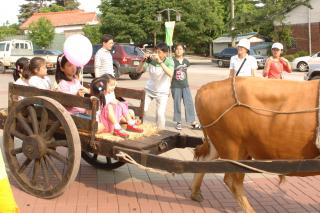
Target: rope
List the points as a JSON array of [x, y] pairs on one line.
[[248, 167], [129, 159], [238, 103]]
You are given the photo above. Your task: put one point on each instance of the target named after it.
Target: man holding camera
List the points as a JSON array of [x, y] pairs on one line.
[[160, 68]]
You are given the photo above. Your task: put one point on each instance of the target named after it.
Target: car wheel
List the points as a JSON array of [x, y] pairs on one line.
[[116, 72], [220, 63], [2, 68], [302, 66], [316, 77], [135, 76]]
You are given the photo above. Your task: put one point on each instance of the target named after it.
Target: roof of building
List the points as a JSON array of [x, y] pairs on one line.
[[253, 37], [64, 18]]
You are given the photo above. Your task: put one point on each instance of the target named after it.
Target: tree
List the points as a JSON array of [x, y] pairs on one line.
[[93, 33], [33, 6], [135, 19], [68, 4], [41, 32], [52, 8], [9, 30]]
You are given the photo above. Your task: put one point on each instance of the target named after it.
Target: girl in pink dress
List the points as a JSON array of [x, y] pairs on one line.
[[112, 111], [68, 82]]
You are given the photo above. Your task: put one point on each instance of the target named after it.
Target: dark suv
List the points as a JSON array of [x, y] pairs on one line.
[[126, 57], [223, 58]]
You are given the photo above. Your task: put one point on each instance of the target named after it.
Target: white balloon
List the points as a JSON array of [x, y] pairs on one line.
[[78, 49]]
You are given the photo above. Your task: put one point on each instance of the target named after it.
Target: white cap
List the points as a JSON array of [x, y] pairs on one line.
[[277, 45], [244, 43]]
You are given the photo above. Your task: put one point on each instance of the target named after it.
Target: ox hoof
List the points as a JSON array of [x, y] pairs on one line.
[[197, 197]]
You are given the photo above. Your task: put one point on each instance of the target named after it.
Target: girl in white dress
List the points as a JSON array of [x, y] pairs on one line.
[[39, 78]]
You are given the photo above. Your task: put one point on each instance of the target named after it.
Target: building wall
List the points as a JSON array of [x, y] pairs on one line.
[[300, 15], [68, 28], [301, 37]]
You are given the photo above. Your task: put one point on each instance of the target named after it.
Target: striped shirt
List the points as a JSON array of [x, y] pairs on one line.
[[103, 63]]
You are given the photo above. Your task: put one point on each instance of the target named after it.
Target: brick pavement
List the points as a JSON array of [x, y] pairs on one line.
[[130, 189]]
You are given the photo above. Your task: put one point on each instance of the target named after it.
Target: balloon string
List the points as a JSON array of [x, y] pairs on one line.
[[81, 76]]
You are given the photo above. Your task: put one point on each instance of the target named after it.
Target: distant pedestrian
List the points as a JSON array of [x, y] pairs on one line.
[[160, 68], [180, 90], [243, 64], [103, 62], [276, 64]]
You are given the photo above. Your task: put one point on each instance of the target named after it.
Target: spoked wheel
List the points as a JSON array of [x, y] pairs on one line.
[[100, 161], [41, 165]]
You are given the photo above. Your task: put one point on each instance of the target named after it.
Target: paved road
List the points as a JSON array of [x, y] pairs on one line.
[[130, 189]]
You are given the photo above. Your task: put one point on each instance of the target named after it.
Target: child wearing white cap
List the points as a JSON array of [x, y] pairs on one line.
[[276, 64], [243, 64]]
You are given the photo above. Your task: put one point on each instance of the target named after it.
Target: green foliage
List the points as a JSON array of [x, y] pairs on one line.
[[33, 6], [136, 19], [93, 33], [9, 30], [283, 34], [52, 8], [68, 4], [296, 55], [41, 32]]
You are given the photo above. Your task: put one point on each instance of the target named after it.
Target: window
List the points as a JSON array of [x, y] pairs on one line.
[[2, 46], [16, 45], [132, 50]]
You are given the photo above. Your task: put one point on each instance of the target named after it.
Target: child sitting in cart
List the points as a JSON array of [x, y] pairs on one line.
[[21, 73], [68, 82], [112, 110], [39, 79]]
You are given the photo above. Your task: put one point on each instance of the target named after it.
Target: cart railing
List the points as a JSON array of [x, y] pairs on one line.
[[89, 124]]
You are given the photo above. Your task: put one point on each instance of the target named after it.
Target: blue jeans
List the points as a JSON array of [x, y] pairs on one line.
[[185, 95]]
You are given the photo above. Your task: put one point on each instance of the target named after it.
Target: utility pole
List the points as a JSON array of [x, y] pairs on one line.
[[233, 41]]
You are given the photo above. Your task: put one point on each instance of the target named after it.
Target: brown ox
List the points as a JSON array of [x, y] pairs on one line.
[[245, 132]]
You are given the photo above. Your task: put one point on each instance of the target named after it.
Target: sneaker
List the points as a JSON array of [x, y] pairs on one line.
[[178, 126], [134, 128], [120, 133], [195, 126]]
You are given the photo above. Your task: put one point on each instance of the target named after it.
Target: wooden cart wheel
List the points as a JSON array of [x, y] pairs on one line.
[[100, 161], [41, 165]]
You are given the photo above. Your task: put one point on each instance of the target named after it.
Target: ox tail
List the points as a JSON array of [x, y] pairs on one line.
[[203, 149], [282, 179]]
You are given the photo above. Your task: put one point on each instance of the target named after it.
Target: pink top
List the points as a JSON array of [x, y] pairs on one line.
[[72, 88], [276, 67]]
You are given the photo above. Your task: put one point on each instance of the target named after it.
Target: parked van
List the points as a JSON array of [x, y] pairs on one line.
[[12, 50]]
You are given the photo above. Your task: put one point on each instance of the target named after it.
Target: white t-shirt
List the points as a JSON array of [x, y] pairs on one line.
[[248, 66], [103, 63], [159, 82], [21, 82], [41, 83]]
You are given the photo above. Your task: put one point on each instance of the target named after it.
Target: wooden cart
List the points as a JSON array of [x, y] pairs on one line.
[[43, 143]]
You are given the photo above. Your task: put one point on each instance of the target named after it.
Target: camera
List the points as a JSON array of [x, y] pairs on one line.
[[148, 59]]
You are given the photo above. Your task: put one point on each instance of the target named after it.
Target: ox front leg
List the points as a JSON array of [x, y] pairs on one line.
[[235, 183], [198, 177], [195, 188]]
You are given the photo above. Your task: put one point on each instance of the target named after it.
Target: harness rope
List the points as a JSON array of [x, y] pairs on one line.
[[238, 103], [129, 159]]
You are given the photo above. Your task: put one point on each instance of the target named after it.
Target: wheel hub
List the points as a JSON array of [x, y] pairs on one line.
[[34, 147]]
